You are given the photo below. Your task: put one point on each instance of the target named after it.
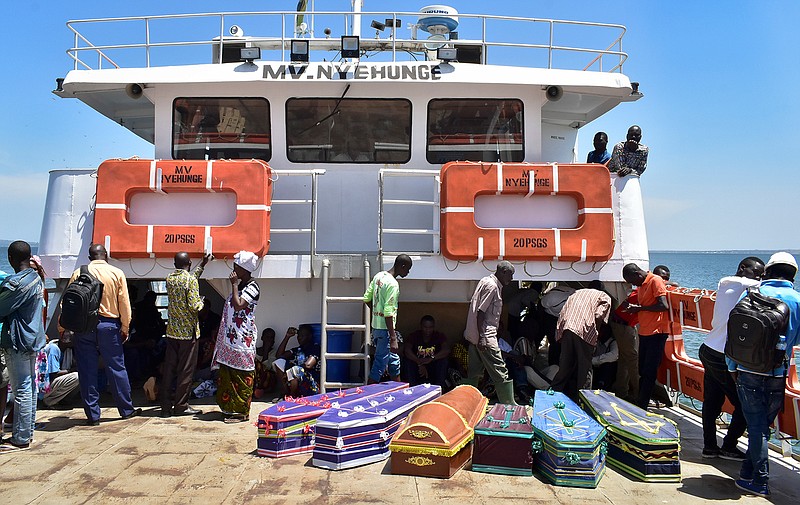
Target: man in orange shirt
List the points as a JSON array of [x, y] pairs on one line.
[[654, 326]]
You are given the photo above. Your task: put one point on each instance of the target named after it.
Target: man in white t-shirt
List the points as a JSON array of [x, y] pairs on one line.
[[717, 382]]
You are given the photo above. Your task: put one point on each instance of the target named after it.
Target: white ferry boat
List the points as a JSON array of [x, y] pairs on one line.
[[329, 142]]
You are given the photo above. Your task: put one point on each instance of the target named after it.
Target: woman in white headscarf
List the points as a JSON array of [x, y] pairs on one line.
[[234, 354]]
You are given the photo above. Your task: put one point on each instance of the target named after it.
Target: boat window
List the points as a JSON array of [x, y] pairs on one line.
[[333, 130], [475, 130], [217, 128]]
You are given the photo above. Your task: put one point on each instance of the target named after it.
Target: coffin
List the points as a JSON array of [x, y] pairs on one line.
[[289, 426], [359, 432], [640, 443], [436, 438], [568, 443], [503, 441]]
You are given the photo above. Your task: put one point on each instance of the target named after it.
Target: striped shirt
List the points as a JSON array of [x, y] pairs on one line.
[[581, 313]]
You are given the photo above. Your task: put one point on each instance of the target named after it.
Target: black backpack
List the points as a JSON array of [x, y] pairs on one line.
[[755, 326], [81, 303]]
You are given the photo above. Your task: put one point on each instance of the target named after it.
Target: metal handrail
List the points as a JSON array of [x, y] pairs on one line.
[[365, 328], [383, 202], [551, 46], [312, 229]]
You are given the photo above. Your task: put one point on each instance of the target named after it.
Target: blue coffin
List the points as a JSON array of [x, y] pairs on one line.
[[568, 444], [640, 443], [289, 426], [358, 433]]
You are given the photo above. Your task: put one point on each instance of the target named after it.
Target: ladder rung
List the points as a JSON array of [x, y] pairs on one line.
[[343, 384], [346, 327], [343, 299], [345, 355]]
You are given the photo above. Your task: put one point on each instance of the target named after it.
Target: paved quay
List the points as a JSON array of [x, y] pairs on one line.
[[183, 460]]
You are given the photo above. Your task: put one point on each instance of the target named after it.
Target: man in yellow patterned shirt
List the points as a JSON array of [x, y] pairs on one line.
[[180, 358]]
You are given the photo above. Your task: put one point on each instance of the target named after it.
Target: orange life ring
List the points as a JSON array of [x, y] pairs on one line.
[[588, 184], [119, 180]]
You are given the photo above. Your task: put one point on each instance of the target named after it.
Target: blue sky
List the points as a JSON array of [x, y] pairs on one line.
[[720, 89]]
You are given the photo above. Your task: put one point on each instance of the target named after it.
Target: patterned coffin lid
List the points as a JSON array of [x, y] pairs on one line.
[[291, 410], [629, 421], [506, 421], [444, 426], [561, 423], [377, 409]]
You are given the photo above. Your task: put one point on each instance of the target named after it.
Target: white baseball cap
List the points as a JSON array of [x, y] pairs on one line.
[[782, 258]]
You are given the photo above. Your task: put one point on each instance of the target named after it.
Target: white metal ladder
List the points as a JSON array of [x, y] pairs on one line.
[[363, 328]]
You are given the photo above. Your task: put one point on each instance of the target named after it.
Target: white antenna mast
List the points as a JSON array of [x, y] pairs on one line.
[[355, 26]]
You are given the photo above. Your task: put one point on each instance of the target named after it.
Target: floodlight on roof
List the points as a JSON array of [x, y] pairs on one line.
[[299, 51], [351, 46]]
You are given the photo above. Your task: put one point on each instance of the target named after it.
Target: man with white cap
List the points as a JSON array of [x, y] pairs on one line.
[[234, 354], [761, 394]]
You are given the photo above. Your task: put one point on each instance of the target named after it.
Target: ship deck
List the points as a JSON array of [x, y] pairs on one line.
[[183, 460]]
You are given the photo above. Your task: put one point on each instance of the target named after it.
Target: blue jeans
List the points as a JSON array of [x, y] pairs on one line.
[[761, 398], [383, 356], [107, 341], [22, 370]]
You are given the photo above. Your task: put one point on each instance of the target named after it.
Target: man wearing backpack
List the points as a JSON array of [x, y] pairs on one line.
[[761, 392], [717, 382], [105, 338]]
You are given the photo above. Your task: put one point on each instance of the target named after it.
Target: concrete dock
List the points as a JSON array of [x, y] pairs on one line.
[[180, 460]]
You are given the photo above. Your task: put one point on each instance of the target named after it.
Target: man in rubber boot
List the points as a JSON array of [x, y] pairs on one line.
[[483, 319]]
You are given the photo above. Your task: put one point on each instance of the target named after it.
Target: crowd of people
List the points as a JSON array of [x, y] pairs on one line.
[[563, 336], [596, 341]]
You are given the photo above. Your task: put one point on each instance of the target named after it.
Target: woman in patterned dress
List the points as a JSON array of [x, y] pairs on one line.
[[234, 354]]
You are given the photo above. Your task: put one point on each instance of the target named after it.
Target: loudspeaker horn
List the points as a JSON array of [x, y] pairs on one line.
[[554, 93], [134, 90]]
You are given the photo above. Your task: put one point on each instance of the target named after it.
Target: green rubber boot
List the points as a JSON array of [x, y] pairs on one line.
[[505, 392]]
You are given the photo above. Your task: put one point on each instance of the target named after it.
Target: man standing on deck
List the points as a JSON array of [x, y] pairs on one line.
[[21, 302], [382, 297], [653, 313], [578, 330], [183, 331], [630, 157], [114, 319], [600, 153], [761, 394], [717, 382], [483, 320]]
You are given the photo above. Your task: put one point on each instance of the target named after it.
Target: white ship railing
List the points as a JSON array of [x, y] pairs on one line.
[[402, 205], [494, 32], [311, 202]]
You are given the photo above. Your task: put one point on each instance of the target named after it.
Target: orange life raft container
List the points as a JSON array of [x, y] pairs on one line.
[[588, 184], [119, 180]]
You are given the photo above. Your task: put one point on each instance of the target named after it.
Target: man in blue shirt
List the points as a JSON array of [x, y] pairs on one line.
[[600, 153], [761, 394], [22, 337]]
